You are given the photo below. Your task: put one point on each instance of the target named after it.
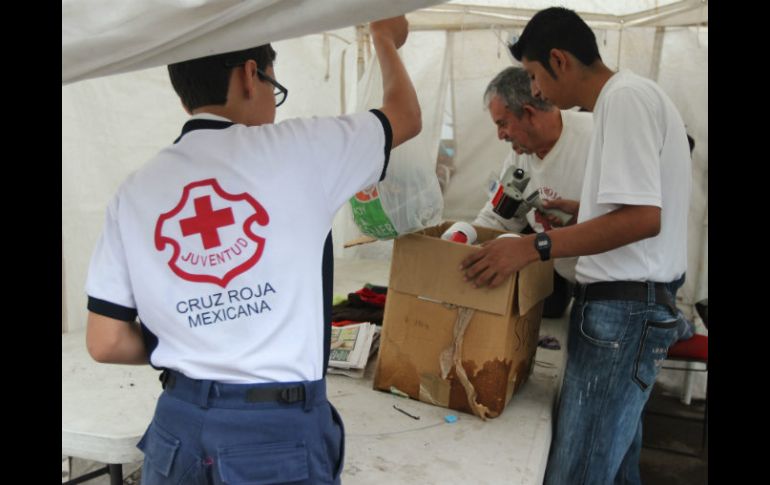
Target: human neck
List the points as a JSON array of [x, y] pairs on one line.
[[237, 113], [593, 78], [552, 126], [221, 110]]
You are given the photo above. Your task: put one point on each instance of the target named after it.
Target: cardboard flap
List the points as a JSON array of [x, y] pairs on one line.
[[535, 283], [429, 267], [359, 240]]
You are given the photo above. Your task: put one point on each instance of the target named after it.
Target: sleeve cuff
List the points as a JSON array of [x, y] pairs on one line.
[[388, 138], [111, 310], [628, 199]]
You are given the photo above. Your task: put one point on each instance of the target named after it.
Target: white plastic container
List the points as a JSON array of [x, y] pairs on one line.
[[460, 232]]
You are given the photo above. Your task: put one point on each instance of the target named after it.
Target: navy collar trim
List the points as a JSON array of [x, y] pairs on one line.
[[203, 124]]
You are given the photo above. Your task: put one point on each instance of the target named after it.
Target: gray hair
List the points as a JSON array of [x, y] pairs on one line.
[[513, 87]]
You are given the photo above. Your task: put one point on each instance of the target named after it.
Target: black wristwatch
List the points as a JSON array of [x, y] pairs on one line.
[[543, 246]]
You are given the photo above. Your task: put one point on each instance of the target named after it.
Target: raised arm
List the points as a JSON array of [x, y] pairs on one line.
[[399, 99]]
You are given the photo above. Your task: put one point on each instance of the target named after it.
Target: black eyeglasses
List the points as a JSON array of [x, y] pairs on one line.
[[280, 92]]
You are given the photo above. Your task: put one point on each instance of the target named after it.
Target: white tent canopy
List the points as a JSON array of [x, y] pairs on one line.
[[472, 14], [112, 125], [108, 37]]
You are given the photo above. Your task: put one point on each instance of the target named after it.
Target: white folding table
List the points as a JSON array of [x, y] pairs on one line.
[[106, 409]]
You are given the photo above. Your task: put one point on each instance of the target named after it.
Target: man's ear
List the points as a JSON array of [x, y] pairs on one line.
[[247, 75], [558, 59], [529, 111]]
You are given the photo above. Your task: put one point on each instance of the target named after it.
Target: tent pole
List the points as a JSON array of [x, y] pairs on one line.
[[657, 49], [360, 44], [343, 88]]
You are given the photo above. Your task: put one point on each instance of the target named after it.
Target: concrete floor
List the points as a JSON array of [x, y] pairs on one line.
[[665, 467]]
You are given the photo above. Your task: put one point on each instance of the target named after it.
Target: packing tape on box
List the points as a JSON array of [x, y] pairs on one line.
[[434, 389], [453, 355]]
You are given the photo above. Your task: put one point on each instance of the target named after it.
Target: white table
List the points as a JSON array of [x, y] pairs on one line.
[[106, 409]]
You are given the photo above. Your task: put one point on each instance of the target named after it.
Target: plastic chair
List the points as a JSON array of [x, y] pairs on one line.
[[694, 352]]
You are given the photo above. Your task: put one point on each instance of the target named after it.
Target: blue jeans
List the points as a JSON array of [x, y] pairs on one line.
[[685, 328], [614, 352], [214, 436]]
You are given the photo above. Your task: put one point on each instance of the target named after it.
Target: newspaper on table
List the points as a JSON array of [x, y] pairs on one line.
[[351, 347]]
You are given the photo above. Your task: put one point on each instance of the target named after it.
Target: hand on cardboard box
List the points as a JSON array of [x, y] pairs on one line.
[[498, 259]]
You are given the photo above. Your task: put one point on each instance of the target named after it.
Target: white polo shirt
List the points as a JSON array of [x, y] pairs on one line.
[[217, 243], [639, 155]]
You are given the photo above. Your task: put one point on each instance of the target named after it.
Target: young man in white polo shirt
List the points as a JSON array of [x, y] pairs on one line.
[[221, 246], [631, 239]]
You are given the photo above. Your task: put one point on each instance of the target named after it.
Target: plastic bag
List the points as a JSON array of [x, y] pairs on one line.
[[409, 198]]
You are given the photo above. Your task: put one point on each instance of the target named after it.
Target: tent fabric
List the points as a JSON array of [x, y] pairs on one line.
[[473, 14], [590, 7], [108, 37]]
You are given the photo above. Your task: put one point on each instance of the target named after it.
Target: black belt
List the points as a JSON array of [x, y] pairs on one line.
[[288, 394], [624, 290]]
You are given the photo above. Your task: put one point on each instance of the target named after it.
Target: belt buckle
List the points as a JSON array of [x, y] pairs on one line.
[[167, 379], [163, 378], [291, 395]]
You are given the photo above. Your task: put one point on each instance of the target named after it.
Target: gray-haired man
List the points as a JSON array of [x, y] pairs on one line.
[[551, 146]]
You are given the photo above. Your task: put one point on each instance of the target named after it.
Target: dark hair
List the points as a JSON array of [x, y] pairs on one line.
[[205, 80], [691, 142], [556, 28]]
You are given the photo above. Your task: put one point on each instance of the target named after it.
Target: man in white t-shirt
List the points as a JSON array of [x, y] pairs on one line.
[[631, 239], [221, 245], [551, 146]]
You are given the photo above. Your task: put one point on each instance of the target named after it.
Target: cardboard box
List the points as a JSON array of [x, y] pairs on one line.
[[498, 346]]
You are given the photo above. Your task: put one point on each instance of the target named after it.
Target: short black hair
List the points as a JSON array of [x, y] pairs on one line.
[[203, 81], [556, 28]]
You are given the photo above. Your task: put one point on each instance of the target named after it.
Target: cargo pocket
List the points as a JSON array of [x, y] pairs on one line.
[[258, 464], [657, 336], [162, 461], [341, 430]]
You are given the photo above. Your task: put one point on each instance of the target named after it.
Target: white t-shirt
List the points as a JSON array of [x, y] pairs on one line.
[[559, 175], [639, 156], [217, 243]]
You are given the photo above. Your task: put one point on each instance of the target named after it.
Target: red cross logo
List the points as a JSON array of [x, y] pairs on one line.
[[206, 222], [211, 233]]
